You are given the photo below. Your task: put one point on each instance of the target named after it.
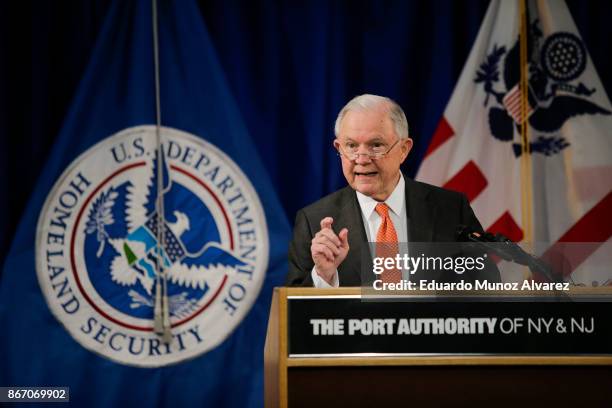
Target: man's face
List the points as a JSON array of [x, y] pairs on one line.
[[369, 129]]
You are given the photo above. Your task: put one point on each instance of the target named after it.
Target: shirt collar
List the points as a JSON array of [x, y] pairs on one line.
[[395, 200]]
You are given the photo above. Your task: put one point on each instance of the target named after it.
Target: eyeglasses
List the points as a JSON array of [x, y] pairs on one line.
[[350, 151]]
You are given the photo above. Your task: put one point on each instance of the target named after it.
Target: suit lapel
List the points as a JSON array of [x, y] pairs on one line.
[[421, 216], [350, 217], [420, 213]]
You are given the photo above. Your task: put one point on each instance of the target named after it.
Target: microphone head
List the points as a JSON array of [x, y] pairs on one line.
[[462, 233]]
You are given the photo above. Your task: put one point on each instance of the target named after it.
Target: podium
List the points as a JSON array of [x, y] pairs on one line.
[[332, 347]]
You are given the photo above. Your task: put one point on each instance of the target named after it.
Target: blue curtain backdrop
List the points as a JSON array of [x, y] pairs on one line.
[[291, 65]]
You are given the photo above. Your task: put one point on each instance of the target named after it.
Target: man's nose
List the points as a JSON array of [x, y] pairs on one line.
[[363, 158]]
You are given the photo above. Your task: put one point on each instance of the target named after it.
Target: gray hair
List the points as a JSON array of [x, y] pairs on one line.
[[369, 102]]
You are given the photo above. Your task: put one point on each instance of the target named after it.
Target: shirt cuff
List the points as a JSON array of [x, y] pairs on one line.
[[319, 282]]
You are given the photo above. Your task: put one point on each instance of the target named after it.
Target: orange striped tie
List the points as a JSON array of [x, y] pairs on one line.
[[386, 243]]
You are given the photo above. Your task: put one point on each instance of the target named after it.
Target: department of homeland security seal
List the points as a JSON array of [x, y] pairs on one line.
[[97, 246]]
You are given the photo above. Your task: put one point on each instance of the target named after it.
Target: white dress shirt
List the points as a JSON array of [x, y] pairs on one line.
[[397, 206]]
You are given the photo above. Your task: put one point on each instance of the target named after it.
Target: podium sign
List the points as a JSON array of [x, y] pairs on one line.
[[346, 325], [335, 347]]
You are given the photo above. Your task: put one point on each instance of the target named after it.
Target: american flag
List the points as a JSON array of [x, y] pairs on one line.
[[512, 102]]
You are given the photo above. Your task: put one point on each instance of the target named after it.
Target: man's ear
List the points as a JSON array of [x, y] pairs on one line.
[[406, 147]]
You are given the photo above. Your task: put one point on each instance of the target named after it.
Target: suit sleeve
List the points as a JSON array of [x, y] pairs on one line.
[[468, 218], [490, 271], [300, 259]]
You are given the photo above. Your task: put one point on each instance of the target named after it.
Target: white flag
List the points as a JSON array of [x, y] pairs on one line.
[[477, 147]]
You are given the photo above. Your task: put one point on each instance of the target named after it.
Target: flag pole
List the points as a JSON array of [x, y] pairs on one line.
[[161, 313], [526, 171]]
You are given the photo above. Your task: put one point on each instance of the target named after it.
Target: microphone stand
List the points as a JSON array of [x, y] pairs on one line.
[[510, 251]]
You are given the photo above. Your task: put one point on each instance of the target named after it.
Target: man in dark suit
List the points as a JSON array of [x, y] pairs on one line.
[[330, 240]]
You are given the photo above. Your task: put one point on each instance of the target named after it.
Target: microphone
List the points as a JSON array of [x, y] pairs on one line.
[[496, 244], [505, 248]]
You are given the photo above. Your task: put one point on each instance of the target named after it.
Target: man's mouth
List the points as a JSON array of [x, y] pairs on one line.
[[366, 174]]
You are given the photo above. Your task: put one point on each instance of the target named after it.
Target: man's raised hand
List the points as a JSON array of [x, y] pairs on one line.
[[328, 250]]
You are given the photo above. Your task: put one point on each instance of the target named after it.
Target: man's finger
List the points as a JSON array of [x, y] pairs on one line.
[[343, 238], [327, 222], [330, 235], [320, 249], [329, 244]]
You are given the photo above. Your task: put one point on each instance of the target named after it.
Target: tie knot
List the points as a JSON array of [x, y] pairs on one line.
[[382, 209]]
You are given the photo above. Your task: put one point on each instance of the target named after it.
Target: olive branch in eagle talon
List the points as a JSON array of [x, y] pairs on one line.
[[100, 216], [489, 73]]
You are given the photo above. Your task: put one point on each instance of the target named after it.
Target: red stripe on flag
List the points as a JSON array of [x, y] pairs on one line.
[[512, 100], [595, 227], [506, 225], [443, 132], [513, 105], [512, 94], [469, 181]]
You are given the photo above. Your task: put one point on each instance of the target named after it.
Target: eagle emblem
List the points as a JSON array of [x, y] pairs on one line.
[[133, 242], [555, 92]]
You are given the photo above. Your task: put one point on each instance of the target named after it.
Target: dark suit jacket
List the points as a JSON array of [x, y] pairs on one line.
[[433, 216]]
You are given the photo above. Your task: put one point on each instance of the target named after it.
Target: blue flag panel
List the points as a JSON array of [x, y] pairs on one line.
[[78, 289]]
